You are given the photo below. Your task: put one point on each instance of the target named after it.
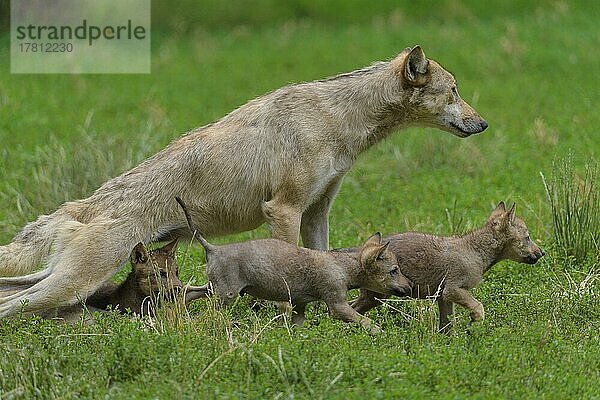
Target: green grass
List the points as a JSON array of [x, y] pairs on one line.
[[575, 204], [530, 70]]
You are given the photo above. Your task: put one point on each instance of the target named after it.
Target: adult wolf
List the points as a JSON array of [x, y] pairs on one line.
[[279, 158]]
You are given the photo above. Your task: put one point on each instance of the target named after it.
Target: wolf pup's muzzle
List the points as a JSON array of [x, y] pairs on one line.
[[533, 258], [403, 291]]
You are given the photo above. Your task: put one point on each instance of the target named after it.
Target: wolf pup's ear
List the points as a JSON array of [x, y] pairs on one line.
[[511, 214], [500, 207], [416, 66], [374, 239], [370, 254], [498, 212], [382, 249], [139, 255], [170, 247]]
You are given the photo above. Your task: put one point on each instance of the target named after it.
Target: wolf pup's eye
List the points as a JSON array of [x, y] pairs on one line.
[[455, 91]]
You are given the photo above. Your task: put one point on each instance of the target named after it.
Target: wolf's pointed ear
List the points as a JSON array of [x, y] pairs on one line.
[[416, 66], [500, 207], [382, 249], [498, 212], [139, 255], [372, 251], [374, 239], [511, 214], [170, 247]]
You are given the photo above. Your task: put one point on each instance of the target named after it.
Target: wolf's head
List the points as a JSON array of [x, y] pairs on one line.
[[382, 272], [431, 95], [156, 271], [513, 234]]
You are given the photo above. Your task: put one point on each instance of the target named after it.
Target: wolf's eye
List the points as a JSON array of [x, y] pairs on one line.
[[394, 271], [163, 274]]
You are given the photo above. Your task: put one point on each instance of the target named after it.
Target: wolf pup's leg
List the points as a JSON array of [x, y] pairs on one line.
[[298, 317], [465, 299], [367, 300], [446, 309], [342, 310]]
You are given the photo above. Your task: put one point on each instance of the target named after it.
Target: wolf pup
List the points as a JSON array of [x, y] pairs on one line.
[[272, 269], [154, 276], [279, 159], [448, 267]]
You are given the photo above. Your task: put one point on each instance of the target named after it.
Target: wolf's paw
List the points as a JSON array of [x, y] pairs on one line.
[[478, 314], [374, 330]]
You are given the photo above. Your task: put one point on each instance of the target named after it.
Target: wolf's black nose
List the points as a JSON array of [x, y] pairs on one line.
[[407, 290], [483, 125]]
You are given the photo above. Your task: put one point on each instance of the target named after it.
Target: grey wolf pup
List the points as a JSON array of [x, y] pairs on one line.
[[272, 269], [280, 159], [448, 267]]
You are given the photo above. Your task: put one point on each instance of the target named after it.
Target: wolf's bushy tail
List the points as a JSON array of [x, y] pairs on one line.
[[30, 247]]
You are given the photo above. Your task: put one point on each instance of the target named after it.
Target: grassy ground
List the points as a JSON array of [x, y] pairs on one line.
[[530, 71]]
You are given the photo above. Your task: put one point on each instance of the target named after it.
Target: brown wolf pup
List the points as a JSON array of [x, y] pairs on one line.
[[272, 269], [279, 159], [448, 267], [154, 276]]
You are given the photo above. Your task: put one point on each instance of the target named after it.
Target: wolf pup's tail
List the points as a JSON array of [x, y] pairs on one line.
[[195, 232], [30, 247]]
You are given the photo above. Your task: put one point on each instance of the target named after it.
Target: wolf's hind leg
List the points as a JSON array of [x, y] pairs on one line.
[[84, 259], [446, 309], [22, 282], [31, 247]]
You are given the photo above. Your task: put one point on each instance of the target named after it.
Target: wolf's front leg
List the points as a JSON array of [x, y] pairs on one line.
[[283, 219], [367, 300], [61, 288], [315, 220], [465, 299], [342, 310], [298, 317]]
